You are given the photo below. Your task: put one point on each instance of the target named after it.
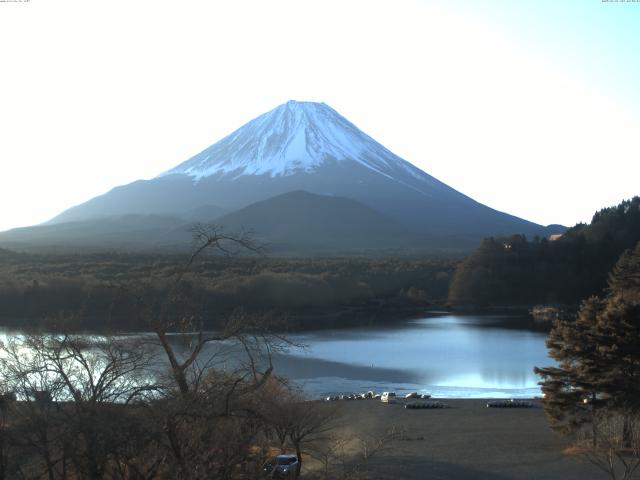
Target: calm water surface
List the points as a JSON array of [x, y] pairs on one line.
[[462, 356], [445, 355]]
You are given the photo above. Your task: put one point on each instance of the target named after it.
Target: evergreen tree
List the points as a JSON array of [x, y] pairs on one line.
[[572, 390], [515, 271], [624, 280], [618, 337], [598, 356]]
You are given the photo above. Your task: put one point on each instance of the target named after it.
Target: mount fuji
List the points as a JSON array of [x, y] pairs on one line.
[[310, 148], [297, 137]]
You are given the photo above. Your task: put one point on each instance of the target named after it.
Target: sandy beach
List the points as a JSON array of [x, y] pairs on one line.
[[465, 441]]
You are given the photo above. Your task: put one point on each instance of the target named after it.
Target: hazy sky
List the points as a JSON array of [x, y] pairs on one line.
[[531, 107]]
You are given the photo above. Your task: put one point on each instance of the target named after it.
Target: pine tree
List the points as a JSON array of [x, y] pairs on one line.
[[618, 329], [624, 280], [572, 389], [598, 356]]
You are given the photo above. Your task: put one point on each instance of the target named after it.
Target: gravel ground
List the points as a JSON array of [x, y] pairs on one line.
[[465, 441]]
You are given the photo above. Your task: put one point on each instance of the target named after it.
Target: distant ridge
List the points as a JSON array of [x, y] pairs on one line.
[[303, 221]]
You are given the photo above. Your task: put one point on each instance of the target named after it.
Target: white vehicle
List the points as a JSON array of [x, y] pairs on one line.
[[388, 397]]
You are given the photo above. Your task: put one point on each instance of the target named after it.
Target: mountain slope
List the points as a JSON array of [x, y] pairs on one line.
[[123, 232], [303, 221], [310, 147]]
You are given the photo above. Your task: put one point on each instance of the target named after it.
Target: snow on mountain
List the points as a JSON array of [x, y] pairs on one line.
[[309, 147], [293, 138]]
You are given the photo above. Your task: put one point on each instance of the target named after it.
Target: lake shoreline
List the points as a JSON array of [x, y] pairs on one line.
[[293, 322], [287, 322]]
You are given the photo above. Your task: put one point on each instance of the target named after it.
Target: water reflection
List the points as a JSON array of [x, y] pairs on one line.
[[445, 355], [468, 356]]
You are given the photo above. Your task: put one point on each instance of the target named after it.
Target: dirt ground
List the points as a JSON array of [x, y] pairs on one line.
[[465, 441]]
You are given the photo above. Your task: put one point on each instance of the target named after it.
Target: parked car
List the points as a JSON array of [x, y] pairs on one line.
[[388, 397], [282, 466]]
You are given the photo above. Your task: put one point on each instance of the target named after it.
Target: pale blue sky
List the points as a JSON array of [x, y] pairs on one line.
[[531, 107], [595, 40]]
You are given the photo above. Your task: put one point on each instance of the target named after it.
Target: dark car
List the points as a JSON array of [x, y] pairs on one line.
[[282, 466]]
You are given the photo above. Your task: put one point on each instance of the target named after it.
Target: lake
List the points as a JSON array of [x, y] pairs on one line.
[[461, 356], [445, 355]]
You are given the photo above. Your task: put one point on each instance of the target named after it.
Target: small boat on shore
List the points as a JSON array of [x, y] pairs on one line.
[[509, 404], [424, 405]]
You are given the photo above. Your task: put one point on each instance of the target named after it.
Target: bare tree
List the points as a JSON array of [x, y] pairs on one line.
[[100, 407], [209, 413], [617, 450], [7, 401], [297, 422], [72, 393], [346, 457], [36, 413], [179, 311]]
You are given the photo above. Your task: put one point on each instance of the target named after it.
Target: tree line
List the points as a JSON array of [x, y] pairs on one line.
[[517, 271], [176, 403], [307, 292]]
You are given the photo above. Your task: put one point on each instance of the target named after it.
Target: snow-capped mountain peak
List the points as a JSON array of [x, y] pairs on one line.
[[290, 165], [294, 137]]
